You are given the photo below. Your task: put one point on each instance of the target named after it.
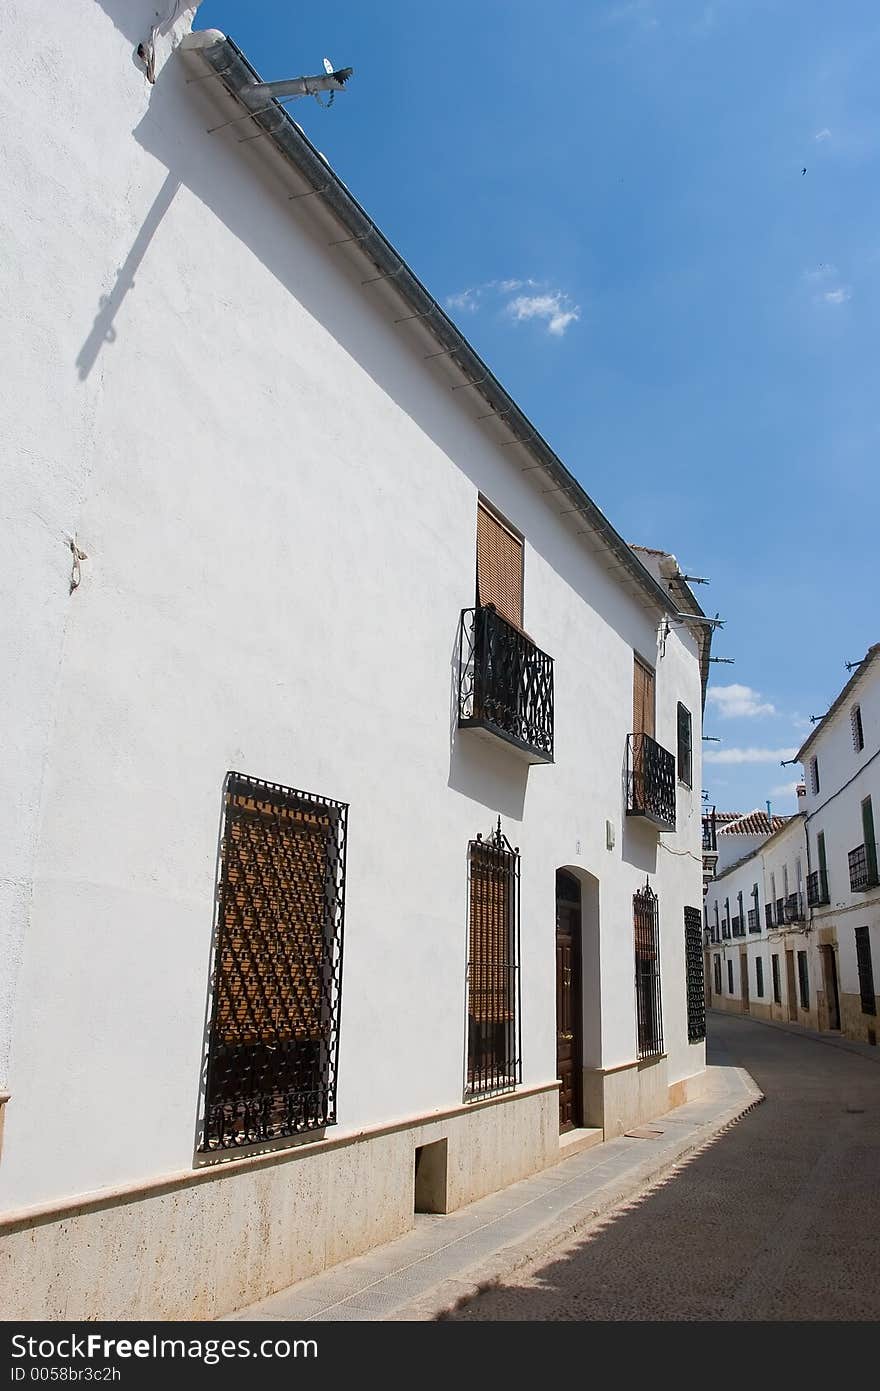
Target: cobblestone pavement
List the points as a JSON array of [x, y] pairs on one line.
[[777, 1218]]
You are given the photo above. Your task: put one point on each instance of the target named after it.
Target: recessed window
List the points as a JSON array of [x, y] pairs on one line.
[[730, 977], [696, 989], [493, 1062], [777, 990], [717, 963], [866, 971], [803, 979], [814, 776], [858, 734], [648, 1000], [759, 975], [685, 746]]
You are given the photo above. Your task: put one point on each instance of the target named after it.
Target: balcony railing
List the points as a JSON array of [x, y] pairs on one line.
[[650, 781], [738, 927], [779, 912], [794, 908], [710, 838], [817, 888], [768, 915], [505, 684], [754, 920], [863, 868]]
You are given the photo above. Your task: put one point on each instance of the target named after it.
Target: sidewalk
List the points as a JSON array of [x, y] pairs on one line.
[[446, 1257]]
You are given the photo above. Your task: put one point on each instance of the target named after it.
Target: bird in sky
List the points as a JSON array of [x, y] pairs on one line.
[[804, 170]]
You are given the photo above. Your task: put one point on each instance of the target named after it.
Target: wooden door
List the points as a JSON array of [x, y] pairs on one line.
[[744, 980], [568, 1001], [791, 982]]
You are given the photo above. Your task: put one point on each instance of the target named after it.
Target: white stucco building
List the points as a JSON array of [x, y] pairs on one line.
[[259, 711], [814, 882]]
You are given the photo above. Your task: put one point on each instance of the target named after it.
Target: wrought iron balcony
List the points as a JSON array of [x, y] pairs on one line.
[[794, 908], [863, 868], [650, 781], [505, 684], [817, 888], [754, 920]]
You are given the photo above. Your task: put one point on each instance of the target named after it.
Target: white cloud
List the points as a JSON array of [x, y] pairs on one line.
[[738, 702], [747, 755], [555, 308], [550, 306], [823, 134], [838, 296], [786, 789]]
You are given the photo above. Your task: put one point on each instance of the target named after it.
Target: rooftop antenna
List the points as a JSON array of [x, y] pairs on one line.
[[332, 80]]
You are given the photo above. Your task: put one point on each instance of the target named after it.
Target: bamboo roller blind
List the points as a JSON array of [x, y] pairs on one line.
[[490, 954], [643, 698], [273, 932], [499, 567]]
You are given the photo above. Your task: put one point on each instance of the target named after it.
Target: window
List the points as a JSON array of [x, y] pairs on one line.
[[717, 964], [493, 1062], [647, 952], [717, 927], [866, 971], [277, 973], [870, 840], [685, 746], [759, 976], [730, 977], [814, 776], [803, 980], [774, 967], [858, 734], [696, 989], [499, 566]]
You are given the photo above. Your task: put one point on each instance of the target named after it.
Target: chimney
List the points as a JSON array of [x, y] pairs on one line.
[[801, 791]]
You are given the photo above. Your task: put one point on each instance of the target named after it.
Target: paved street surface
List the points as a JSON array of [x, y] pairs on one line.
[[776, 1218]]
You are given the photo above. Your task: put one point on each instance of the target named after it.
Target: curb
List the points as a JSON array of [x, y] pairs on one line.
[[455, 1292]]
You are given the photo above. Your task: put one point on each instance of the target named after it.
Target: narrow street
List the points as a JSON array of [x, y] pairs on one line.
[[777, 1218]]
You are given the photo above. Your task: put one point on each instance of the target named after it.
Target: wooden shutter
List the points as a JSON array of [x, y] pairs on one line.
[[685, 761], [499, 567], [643, 698], [858, 735]]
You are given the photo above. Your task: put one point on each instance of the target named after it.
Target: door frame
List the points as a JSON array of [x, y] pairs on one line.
[[831, 982], [576, 985]]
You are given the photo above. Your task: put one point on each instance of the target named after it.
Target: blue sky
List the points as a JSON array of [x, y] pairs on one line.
[[609, 198]]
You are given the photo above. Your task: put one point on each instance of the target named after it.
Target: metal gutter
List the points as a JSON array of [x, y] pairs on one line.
[[237, 76]]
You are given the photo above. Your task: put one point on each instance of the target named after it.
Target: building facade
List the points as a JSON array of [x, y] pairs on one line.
[[792, 926], [353, 853]]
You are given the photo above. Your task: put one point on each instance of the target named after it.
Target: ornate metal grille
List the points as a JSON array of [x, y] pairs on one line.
[[862, 868], [866, 971], [493, 986], [649, 1012], [505, 683], [696, 985], [650, 781], [817, 888], [277, 970], [754, 920]]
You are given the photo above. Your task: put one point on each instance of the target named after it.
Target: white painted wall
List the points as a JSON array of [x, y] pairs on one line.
[[846, 778], [277, 498]]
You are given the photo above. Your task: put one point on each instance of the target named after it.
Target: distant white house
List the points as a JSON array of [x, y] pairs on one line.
[[793, 925], [352, 828]]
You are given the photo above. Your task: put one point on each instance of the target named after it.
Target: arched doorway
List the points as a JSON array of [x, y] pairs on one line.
[[569, 1004]]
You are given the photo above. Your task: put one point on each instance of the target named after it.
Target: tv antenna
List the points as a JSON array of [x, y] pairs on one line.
[[332, 80]]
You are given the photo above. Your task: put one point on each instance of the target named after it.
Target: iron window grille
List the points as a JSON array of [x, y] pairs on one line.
[[754, 920], [649, 1011], [759, 976], [685, 746], [862, 868], [858, 733], [696, 984], [803, 980], [777, 989], [710, 834], [794, 911], [273, 1035], [817, 888], [814, 776], [493, 980], [650, 781], [737, 927], [730, 977], [780, 912], [866, 971], [768, 915], [505, 683], [717, 965]]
